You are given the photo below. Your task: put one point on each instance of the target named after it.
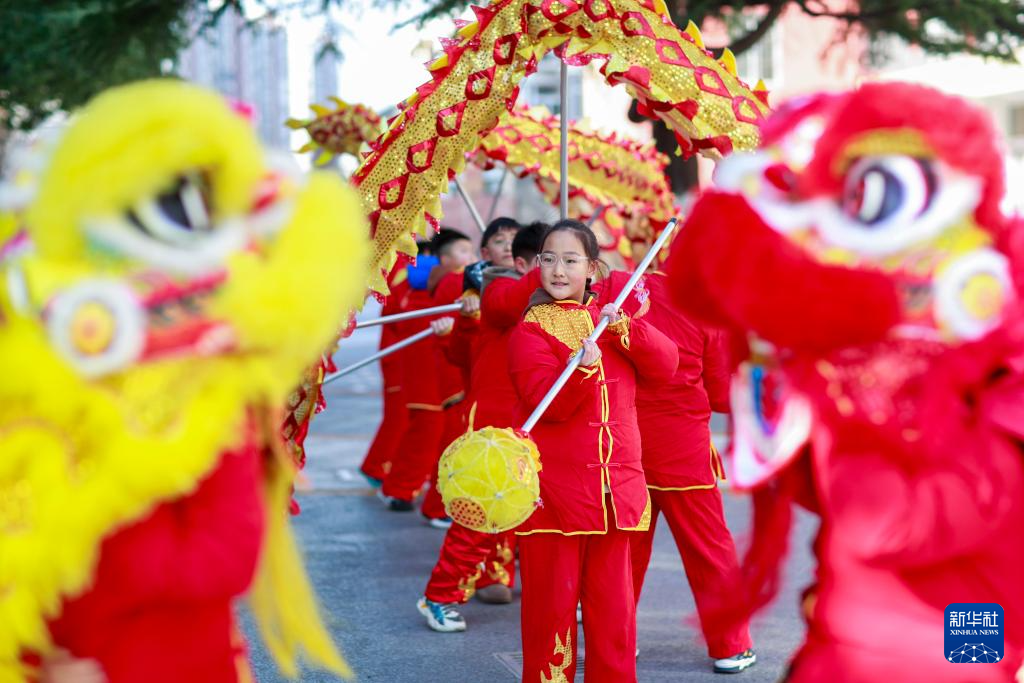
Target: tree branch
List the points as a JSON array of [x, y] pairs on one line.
[[744, 43], [863, 15]]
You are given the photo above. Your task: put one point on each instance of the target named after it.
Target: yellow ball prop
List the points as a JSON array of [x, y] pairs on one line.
[[488, 479]]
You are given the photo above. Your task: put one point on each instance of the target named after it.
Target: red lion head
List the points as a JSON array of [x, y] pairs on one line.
[[862, 215]]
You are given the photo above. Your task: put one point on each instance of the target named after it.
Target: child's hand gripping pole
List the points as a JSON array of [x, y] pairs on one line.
[[574, 361], [397, 346]]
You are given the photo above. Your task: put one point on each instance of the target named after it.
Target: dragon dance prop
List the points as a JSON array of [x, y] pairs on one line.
[[409, 315], [666, 69], [159, 313], [488, 479], [397, 346], [605, 170], [619, 235], [332, 132], [342, 130]]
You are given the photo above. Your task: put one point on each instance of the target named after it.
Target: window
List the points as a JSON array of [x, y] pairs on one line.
[[541, 89], [762, 59], [1017, 121]]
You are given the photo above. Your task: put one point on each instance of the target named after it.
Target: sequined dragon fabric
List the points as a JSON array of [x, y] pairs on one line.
[[476, 80], [342, 130], [605, 169]]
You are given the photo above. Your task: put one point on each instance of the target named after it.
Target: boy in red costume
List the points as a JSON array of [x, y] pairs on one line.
[[683, 469], [879, 287], [431, 384], [452, 359], [470, 560], [575, 546], [395, 419], [456, 337]]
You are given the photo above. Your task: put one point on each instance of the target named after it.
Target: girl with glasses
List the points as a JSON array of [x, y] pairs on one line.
[[575, 547]]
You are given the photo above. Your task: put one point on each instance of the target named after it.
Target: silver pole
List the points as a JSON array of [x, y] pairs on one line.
[[590, 223], [574, 361], [409, 315], [477, 218], [563, 91], [497, 195], [397, 346]]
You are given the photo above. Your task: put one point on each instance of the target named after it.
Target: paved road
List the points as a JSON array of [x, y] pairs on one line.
[[369, 566]]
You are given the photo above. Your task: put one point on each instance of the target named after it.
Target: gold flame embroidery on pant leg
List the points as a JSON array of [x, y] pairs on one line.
[[558, 670], [498, 573], [504, 552], [468, 584]]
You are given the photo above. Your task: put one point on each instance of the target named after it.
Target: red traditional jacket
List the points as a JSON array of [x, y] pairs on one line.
[[420, 386], [589, 440], [391, 366], [453, 362], [674, 418], [160, 606], [502, 305]]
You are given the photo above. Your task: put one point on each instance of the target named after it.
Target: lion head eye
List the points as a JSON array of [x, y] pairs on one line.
[[882, 192], [177, 216]]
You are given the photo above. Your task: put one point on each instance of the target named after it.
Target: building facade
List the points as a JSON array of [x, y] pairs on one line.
[[247, 63]]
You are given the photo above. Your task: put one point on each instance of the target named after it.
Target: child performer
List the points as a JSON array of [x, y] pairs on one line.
[[396, 416], [575, 547], [455, 338], [682, 471], [470, 560], [431, 385]]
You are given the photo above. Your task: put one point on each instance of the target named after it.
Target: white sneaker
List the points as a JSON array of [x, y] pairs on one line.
[[395, 504], [736, 663], [443, 618], [442, 523]]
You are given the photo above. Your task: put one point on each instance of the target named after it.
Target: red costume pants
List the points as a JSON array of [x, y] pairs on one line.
[[454, 426], [558, 572], [698, 526], [416, 454], [385, 444], [470, 560]]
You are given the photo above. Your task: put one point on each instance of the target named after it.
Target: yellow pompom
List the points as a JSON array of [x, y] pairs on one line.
[[488, 479]]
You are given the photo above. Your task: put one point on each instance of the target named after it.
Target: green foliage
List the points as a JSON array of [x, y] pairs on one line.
[[56, 54], [990, 28]]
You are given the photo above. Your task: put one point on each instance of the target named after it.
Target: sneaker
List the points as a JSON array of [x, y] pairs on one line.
[[399, 505], [736, 663], [443, 618], [439, 522], [395, 504], [495, 594]]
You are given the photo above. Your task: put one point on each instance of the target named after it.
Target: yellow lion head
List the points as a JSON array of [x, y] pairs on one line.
[[170, 276]]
